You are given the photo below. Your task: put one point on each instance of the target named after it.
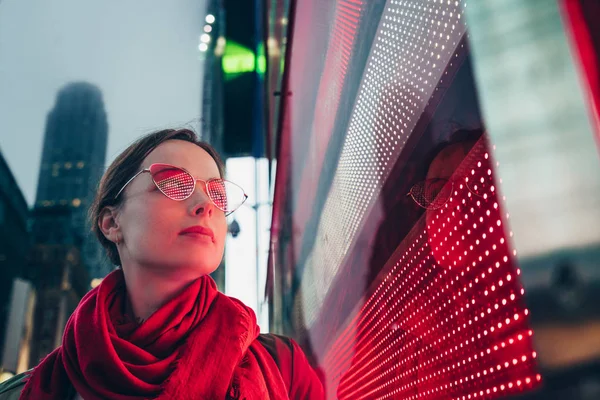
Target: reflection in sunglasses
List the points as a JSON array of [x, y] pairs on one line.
[[432, 194], [178, 184]]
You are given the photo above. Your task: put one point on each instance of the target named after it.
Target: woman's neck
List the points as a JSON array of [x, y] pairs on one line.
[[148, 290]]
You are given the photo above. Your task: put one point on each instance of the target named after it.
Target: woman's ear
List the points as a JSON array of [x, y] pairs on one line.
[[109, 225]]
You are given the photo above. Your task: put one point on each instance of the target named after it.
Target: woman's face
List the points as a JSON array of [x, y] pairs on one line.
[[151, 224], [443, 167]]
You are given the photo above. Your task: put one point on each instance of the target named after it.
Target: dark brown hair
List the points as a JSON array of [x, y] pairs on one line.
[[125, 166]]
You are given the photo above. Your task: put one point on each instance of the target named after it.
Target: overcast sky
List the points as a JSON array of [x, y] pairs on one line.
[[142, 54]]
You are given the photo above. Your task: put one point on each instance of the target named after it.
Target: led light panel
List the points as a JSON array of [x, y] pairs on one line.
[[415, 42], [342, 40], [448, 320], [338, 57]]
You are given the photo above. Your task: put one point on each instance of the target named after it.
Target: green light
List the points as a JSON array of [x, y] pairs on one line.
[[238, 59], [261, 62]]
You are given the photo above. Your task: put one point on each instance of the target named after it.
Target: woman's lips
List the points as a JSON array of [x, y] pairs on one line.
[[199, 231]]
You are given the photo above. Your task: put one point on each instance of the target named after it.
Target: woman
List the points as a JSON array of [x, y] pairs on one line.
[[157, 328]]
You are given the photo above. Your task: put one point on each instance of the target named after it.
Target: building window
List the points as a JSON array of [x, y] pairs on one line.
[[76, 202], [80, 164]]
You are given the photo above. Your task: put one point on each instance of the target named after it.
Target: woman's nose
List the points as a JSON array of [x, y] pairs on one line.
[[201, 203]]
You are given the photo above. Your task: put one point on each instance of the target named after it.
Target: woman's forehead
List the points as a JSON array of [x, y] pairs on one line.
[[186, 155], [446, 162]]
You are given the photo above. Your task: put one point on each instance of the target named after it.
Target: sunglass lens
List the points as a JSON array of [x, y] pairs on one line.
[[217, 191], [431, 193], [226, 195], [174, 182]]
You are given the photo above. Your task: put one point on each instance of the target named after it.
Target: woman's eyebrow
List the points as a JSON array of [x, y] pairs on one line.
[[211, 177], [215, 177]]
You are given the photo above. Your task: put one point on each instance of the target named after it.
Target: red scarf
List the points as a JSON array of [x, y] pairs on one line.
[[199, 345]]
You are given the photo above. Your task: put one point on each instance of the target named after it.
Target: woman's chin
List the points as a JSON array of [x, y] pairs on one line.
[[192, 265]]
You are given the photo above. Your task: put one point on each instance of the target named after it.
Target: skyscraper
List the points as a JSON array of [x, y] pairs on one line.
[[73, 160], [14, 247]]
